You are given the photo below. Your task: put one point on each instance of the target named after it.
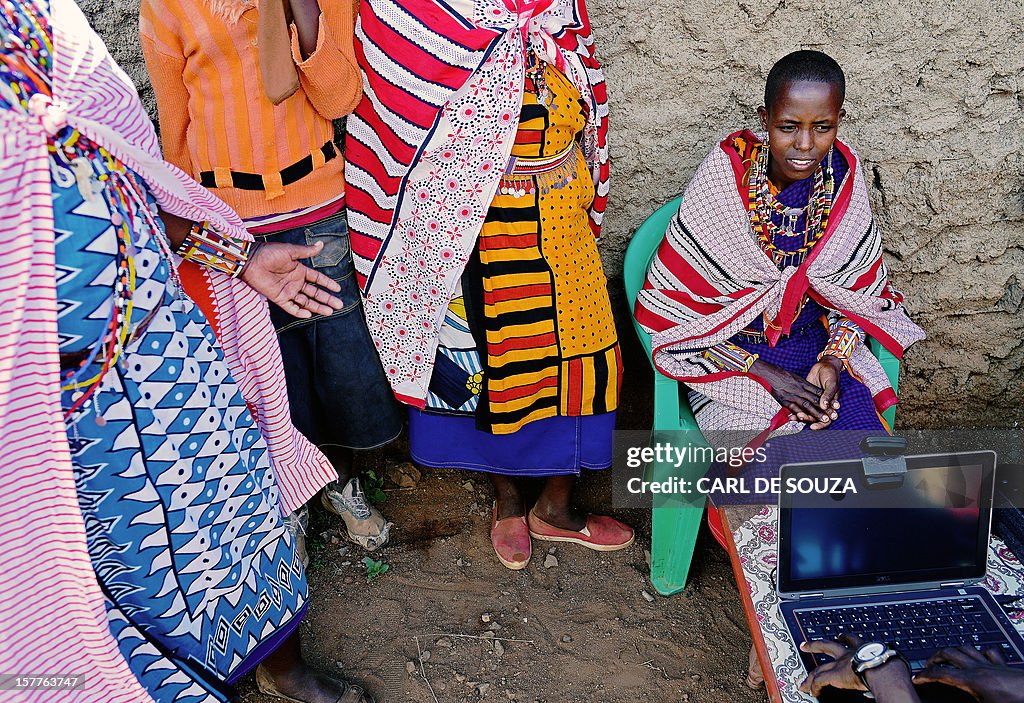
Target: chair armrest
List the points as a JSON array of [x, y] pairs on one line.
[[667, 405], [890, 364]]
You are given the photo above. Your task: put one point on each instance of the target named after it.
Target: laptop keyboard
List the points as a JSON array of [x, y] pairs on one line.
[[916, 629]]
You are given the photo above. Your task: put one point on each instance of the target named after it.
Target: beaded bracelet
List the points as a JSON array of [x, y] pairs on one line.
[[843, 339], [207, 247], [729, 357]]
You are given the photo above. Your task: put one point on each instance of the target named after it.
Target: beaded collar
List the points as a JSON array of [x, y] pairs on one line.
[[763, 209], [26, 65]]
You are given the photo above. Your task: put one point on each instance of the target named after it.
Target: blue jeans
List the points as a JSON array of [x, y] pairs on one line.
[[338, 393]]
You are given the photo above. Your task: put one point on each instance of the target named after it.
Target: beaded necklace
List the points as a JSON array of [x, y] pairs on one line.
[[762, 206], [26, 62]]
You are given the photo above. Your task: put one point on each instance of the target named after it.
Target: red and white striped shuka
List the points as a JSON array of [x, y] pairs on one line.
[[710, 279], [51, 609], [442, 91]]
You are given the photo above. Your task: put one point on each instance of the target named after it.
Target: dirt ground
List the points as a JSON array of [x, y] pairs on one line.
[[448, 623], [579, 631]]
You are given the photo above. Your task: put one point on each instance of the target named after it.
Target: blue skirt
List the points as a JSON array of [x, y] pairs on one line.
[[554, 446]]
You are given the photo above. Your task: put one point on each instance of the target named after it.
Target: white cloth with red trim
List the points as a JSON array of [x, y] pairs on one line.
[[710, 279], [426, 148]]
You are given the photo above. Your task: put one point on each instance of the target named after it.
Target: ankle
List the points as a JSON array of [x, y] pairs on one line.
[[510, 504], [561, 516]]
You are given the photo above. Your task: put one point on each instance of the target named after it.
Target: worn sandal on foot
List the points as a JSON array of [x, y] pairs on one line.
[[510, 538], [350, 693], [602, 533]]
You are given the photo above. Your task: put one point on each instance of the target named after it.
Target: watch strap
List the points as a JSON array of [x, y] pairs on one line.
[[861, 668]]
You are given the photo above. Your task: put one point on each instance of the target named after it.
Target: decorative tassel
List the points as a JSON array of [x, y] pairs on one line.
[[525, 176]]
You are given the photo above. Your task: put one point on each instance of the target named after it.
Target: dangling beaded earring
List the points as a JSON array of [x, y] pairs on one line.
[[830, 180]]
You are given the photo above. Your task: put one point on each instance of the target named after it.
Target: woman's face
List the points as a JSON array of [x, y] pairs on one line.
[[802, 124]]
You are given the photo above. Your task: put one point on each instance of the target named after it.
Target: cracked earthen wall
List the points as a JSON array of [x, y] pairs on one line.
[[935, 109]]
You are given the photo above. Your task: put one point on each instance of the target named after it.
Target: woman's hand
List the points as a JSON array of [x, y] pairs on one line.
[[983, 675], [305, 14], [799, 396], [275, 271], [825, 375]]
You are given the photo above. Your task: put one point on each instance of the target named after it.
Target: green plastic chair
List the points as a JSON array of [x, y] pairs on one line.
[[675, 522]]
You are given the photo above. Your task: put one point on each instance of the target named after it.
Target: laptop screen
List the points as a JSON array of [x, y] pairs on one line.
[[931, 526]]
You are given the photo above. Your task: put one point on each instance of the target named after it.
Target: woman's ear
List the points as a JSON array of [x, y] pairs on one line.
[[842, 116], [762, 112]]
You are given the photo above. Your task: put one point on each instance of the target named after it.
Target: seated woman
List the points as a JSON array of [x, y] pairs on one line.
[[770, 275]]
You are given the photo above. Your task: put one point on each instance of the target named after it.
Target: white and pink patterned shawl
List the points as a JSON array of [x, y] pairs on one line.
[[710, 279], [51, 608], [442, 91]]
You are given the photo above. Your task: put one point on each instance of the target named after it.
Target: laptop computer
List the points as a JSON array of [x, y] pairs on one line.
[[896, 561]]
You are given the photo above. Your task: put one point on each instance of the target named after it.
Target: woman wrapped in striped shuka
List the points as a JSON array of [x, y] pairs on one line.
[[476, 186], [769, 277]]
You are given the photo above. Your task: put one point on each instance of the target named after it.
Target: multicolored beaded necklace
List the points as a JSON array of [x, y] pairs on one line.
[[26, 62], [762, 206]]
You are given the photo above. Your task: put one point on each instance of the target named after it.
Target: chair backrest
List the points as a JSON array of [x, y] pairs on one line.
[[639, 253]]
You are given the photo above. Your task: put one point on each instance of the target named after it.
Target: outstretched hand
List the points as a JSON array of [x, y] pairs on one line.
[[984, 675], [275, 270]]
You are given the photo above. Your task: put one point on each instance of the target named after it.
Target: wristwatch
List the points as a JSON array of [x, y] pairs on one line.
[[871, 655]]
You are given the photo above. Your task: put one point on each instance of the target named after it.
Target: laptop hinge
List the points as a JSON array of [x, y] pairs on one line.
[[810, 596], [953, 584]]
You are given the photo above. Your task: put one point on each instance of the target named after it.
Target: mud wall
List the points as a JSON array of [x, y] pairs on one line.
[[935, 109]]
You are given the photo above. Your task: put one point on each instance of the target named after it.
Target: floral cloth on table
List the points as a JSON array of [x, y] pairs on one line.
[[756, 546]]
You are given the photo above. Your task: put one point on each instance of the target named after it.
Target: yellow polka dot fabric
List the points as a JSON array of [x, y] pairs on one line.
[[551, 342]]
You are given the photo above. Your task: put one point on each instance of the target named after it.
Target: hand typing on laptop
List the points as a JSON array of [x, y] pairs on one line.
[[984, 675], [888, 680]]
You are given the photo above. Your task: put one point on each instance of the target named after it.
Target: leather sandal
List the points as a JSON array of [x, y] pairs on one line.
[[510, 538], [350, 693]]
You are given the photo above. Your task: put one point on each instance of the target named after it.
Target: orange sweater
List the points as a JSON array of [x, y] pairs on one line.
[[215, 116]]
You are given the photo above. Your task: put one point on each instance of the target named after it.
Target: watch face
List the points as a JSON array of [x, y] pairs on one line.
[[870, 651]]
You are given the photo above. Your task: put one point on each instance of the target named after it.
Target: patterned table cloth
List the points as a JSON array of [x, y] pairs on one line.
[[755, 554]]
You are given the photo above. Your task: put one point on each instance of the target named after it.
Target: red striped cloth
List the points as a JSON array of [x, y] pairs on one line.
[[426, 147], [51, 608], [710, 279]]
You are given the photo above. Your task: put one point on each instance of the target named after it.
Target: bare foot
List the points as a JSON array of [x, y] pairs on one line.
[[566, 518], [307, 685], [507, 496]]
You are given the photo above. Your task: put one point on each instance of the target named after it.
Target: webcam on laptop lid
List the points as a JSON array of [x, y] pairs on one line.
[[884, 463]]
